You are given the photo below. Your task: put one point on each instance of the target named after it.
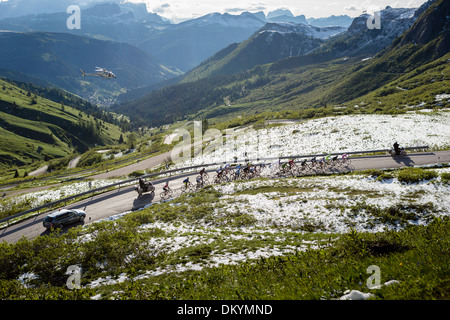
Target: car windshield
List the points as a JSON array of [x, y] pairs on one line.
[[48, 219]]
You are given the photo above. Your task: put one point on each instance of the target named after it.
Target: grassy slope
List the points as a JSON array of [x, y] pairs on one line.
[[417, 257], [26, 126], [413, 88], [314, 91], [308, 91]]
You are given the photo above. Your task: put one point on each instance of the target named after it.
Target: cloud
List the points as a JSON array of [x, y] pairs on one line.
[[234, 10], [252, 7], [162, 8], [259, 6]]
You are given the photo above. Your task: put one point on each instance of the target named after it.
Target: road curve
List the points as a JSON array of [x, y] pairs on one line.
[[125, 199]]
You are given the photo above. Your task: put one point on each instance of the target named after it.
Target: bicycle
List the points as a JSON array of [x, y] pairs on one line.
[[292, 168], [315, 164], [220, 178], [204, 175], [187, 187], [236, 174], [304, 167], [200, 184], [203, 178], [320, 165], [166, 194], [344, 161], [257, 171]]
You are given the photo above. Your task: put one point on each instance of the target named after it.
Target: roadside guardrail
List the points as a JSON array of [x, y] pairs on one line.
[[97, 190]]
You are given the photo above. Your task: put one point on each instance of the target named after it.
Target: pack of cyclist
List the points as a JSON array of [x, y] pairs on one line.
[[228, 172], [248, 170]]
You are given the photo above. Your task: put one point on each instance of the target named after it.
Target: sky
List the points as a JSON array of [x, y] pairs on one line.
[[179, 10], [186, 9]]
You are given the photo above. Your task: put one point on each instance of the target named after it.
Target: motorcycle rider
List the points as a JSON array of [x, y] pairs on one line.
[[396, 148]]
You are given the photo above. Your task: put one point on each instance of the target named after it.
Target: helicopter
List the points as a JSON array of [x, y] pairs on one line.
[[100, 72]]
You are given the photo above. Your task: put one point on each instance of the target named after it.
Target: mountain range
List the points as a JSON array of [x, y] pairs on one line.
[[303, 44], [272, 42], [348, 66], [183, 45], [142, 48]]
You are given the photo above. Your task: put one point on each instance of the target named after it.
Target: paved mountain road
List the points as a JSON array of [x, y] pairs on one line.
[[141, 165], [126, 199]]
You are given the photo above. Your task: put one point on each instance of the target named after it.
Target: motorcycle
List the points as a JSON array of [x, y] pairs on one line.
[[144, 187], [398, 152]]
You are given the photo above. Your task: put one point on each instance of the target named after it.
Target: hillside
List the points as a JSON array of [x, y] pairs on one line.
[[34, 128], [58, 57], [276, 41], [427, 40], [358, 40], [273, 42]]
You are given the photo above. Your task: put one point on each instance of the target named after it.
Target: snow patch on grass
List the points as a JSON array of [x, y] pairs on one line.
[[334, 135]]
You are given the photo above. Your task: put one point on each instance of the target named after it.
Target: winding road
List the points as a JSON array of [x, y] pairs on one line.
[[125, 199]]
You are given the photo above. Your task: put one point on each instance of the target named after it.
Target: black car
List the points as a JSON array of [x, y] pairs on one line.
[[64, 217]]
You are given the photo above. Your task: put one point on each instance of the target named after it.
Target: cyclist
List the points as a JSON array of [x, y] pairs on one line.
[[322, 162], [202, 172], [219, 172], [291, 163], [247, 167], [166, 186], [200, 181], [186, 181]]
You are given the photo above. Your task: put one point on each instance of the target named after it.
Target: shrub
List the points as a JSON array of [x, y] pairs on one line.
[[415, 175], [373, 173], [385, 176], [445, 177], [89, 159], [136, 174], [378, 174]]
